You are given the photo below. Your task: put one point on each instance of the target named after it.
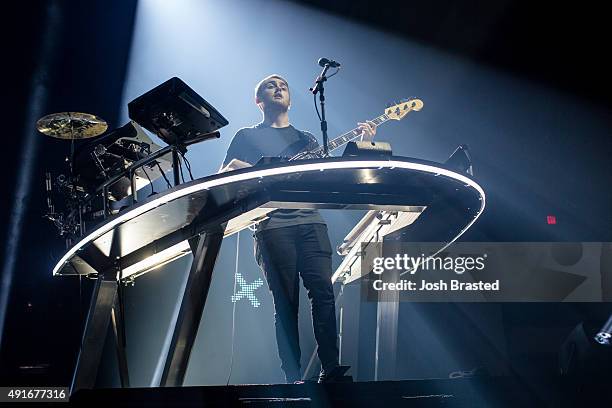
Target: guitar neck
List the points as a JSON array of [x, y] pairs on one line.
[[348, 136]]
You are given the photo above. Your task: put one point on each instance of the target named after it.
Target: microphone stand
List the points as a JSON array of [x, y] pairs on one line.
[[320, 89]]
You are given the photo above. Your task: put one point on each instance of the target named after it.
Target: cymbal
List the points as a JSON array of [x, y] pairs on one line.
[[71, 125]]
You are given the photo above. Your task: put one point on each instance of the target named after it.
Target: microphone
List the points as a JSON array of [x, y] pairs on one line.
[[324, 61]]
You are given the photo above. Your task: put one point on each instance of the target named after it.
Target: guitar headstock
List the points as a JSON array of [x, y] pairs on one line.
[[401, 108]]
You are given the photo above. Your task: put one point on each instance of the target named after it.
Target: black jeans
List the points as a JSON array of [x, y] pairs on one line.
[[284, 254]]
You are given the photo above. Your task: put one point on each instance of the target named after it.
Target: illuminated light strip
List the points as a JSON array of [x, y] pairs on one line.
[[233, 178], [158, 259]]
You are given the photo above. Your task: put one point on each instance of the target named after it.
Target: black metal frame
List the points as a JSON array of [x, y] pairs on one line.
[[205, 250], [205, 234], [107, 306], [104, 304]]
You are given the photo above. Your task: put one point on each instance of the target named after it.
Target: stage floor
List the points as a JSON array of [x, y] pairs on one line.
[[462, 392]]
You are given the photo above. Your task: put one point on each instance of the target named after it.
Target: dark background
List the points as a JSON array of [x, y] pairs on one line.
[[82, 66]]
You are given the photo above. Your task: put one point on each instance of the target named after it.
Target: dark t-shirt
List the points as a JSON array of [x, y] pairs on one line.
[[253, 143]]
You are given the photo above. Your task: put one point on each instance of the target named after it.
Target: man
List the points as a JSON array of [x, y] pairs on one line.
[[291, 243]]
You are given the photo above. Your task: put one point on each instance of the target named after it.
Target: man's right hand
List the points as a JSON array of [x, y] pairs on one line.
[[235, 164]]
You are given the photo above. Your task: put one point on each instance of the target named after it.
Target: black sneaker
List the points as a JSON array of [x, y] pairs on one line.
[[335, 375]]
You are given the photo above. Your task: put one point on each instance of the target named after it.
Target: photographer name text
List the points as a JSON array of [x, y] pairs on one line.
[[436, 286]]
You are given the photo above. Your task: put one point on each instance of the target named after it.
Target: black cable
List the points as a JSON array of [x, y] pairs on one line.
[[163, 175], [181, 169], [188, 166], [80, 301], [316, 107], [234, 309], [334, 73], [150, 182], [315, 95]]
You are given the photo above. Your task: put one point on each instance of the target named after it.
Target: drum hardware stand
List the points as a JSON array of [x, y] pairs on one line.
[[130, 172], [69, 126], [99, 151]]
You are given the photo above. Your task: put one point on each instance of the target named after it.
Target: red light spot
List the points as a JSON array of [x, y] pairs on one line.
[[551, 219]]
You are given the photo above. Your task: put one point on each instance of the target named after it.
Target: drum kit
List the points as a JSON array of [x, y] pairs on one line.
[[108, 170]]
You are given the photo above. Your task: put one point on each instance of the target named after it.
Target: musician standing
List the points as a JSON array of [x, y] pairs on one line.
[[291, 243]]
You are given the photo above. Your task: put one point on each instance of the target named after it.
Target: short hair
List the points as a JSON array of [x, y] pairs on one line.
[[261, 83]]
